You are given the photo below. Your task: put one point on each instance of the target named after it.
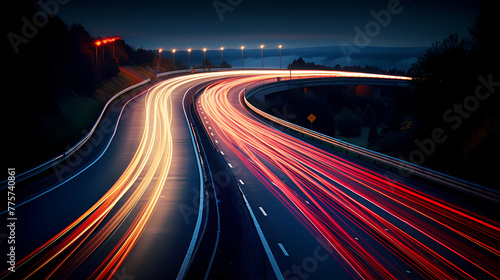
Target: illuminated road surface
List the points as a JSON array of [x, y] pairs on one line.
[[372, 226], [117, 219], [122, 213]]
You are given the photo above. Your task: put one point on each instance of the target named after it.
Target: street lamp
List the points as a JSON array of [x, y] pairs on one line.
[[204, 59], [104, 42], [189, 58], [222, 56], [173, 53], [262, 54], [242, 48], [113, 39], [280, 46], [159, 63], [97, 44]]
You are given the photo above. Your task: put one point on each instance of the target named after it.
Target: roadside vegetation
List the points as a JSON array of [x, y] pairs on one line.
[[447, 120], [56, 87]]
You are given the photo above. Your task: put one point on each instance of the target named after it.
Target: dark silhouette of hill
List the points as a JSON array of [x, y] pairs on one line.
[[46, 64]]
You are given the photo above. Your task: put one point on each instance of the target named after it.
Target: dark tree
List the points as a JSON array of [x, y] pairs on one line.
[[369, 116], [348, 124], [449, 73], [82, 60], [373, 133]]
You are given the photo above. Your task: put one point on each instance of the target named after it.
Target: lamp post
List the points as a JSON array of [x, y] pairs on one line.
[[189, 58], [97, 44], [242, 65], [173, 54], [262, 54], [280, 46], [159, 63], [204, 59], [104, 42], [222, 56], [113, 41]]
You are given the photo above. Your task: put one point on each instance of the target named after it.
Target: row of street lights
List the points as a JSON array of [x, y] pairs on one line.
[[103, 42], [222, 55]]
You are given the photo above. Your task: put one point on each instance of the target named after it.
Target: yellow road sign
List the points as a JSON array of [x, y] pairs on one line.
[[311, 118]]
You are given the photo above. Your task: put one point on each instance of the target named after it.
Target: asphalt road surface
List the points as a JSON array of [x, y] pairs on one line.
[[126, 205]]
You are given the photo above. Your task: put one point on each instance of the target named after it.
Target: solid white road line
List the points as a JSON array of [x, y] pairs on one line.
[[89, 165], [189, 254], [269, 253]]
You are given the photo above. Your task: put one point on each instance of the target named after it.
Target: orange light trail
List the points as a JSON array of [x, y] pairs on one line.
[[75, 243], [333, 197], [147, 171], [336, 199]]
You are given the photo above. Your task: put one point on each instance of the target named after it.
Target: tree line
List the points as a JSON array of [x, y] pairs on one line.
[[301, 64], [454, 95]]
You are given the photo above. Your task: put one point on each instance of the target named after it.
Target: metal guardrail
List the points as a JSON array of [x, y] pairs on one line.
[[198, 70], [334, 75], [79, 144], [54, 161], [432, 175]]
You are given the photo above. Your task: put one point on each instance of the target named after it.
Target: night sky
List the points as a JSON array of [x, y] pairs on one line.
[[153, 24]]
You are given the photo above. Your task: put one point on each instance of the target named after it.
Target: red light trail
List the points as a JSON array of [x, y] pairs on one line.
[[336, 199], [143, 179]]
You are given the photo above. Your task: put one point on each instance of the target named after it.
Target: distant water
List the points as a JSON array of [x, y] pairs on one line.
[[382, 57]]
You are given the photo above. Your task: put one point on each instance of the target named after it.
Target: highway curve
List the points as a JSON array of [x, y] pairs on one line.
[[128, 205], [373, 223]]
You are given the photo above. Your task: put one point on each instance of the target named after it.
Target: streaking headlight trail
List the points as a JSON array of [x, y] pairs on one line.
[[378, 228], [143, 179], [336, 199]]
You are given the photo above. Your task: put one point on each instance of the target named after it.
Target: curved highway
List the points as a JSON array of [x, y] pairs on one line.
[[127, 204], [372, 223]]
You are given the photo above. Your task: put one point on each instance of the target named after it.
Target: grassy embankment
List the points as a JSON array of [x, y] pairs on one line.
[[79, 113]]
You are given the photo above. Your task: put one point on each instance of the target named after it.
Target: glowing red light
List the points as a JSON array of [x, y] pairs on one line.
[[329, 205]]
